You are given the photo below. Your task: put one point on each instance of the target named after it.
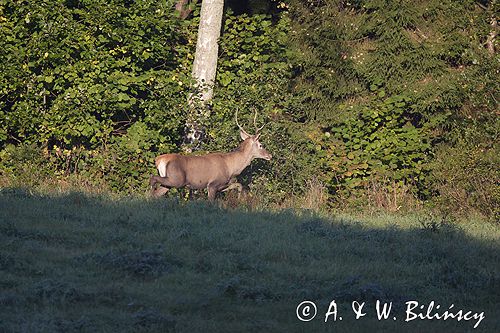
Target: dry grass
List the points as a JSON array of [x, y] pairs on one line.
[[390, 196], [56, 184]]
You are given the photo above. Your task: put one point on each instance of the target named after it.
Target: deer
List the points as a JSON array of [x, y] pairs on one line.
[[214, 171]]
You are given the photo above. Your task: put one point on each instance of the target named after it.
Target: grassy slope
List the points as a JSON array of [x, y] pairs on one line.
[[78, 263]]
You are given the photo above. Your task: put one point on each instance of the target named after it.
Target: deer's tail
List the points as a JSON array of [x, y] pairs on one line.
[[161, 163]]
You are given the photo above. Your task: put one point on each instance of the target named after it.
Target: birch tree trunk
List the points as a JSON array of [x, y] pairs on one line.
[[490, 41], [204, 67]]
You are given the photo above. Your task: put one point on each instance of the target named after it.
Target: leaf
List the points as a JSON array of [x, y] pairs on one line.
[[122, 97]]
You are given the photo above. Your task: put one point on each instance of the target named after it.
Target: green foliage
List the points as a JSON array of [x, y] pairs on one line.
[[100, 75], [89, 69], [378, 140], [251, 45], [466, 173], [349, 56], [24, 165]]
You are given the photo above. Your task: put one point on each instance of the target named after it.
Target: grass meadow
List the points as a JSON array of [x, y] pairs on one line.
[[82, 263]]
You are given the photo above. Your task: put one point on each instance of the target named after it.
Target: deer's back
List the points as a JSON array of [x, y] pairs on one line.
[[195, 171]]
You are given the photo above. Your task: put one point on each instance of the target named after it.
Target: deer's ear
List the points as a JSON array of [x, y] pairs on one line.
[[244, 135]]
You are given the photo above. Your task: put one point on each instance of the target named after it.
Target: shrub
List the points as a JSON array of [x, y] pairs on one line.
[[467, 177]]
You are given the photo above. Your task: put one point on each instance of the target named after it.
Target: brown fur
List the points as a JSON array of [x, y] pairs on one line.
[[212, 171]]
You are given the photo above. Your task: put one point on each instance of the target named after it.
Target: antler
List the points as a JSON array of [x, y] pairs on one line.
[[257, 129], [239, 126]]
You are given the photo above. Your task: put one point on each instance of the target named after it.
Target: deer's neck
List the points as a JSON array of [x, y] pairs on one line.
[[237, 161]]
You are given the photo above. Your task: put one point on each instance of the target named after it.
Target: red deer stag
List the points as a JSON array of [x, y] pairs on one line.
[[214, 171]]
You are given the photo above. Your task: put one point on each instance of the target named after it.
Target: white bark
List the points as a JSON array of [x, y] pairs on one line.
[[204, 70], [207, 47]]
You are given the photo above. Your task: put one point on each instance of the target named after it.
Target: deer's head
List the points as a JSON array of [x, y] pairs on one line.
[[251, 143]]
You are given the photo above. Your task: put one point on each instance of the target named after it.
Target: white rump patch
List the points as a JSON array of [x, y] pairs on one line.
[[162, 169]]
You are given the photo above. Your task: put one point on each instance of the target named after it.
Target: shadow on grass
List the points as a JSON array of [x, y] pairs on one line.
[[80, 263]]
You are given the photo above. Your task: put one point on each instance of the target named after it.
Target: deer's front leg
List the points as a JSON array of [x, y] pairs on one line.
[[233, 186], [212, 191]]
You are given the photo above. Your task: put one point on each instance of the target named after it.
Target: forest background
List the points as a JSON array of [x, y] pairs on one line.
[[369, 105]]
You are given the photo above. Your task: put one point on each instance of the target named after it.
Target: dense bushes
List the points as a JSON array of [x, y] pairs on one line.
[[94, 82], [389, 85], [359, 96], [466, 175]]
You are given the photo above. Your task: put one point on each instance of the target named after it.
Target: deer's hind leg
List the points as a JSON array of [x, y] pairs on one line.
[[156, 192], [165, 182], [159, 191]]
